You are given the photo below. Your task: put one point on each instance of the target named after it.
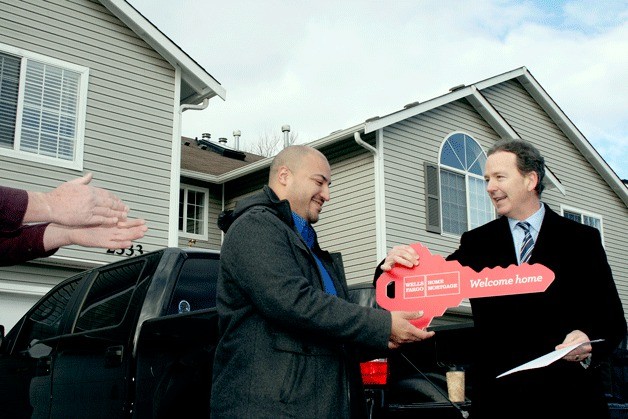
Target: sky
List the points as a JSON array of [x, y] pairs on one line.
[[321, 66]]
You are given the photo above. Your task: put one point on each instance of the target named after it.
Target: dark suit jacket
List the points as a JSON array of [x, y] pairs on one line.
[[516, 329]]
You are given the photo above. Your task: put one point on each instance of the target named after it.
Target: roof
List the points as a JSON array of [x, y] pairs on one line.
[[196, 83], [484, 108], [208, 159]]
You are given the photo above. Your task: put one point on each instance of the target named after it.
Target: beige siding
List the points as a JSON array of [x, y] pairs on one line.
[[129, 122], [407, 144], [585, 188], [347, 223]]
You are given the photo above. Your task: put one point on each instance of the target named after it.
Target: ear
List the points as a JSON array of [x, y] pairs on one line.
[[283, 174], [533, 180]]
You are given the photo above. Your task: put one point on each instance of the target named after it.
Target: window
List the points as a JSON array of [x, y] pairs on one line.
[[455, 189], [42, 108], [583, 217], [44, 321], [115, 294], [193, 212], [196, 285]]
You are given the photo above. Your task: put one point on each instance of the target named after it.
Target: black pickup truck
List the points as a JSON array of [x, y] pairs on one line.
[[134, 338]]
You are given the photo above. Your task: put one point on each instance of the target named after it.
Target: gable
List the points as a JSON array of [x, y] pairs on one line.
[[129, 116]]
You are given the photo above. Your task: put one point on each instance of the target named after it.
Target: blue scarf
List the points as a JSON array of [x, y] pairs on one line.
[[309, 236]]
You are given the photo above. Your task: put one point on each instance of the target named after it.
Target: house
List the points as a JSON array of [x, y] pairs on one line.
[[200, 196], [92, 86], [416, 175]]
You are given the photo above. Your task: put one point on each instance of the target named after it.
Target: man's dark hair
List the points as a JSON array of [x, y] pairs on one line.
[[529, 159]]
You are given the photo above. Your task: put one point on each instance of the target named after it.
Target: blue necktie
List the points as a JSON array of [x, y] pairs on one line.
[[528, 243]]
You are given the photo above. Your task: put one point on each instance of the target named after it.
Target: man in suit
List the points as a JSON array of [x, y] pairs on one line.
[[288, 334], [582, 303]]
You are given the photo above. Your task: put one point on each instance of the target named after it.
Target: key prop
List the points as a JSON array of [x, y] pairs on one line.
[[436, 284]]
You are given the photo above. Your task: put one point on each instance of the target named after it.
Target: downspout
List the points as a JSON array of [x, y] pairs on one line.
[[175, 171], [380, 229], [364, 144], [198, 107]]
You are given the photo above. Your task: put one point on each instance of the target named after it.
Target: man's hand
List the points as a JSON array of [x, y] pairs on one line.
[[581, 352], [117, 236], [405, 332], [403, 254], [75, 203]]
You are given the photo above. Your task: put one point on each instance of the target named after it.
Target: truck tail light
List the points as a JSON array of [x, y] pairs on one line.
[[375, 372]]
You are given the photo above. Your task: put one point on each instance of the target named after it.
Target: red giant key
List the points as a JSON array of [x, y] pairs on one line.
[[436, 284]]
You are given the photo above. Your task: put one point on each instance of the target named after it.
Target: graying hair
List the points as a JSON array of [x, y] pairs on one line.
[[529, 158]]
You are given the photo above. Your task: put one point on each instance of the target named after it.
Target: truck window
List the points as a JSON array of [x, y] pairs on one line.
[[109, 296], [196, 286], [44, 321]]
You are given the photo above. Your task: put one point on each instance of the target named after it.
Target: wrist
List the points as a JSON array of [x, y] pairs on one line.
[[38, 208], [57, 236]]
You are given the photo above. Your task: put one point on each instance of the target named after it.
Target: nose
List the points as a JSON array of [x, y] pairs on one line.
[[325, 193], [490, 186]]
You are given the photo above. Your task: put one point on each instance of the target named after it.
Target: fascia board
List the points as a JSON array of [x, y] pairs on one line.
[[440, 100], [193, 73], [490, 114], [504, 130], [575, 136], [501, 78], [398, 116]]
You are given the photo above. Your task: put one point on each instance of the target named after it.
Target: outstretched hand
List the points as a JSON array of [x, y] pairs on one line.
[[117, 236], [76, 203]]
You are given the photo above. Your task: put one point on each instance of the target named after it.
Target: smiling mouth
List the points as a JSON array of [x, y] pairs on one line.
[[319, 203]]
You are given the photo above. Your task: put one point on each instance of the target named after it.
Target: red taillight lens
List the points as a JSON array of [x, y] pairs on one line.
[[375, 372]]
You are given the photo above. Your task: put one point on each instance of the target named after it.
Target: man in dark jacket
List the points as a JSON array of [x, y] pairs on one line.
[[288, 334], [580, 305]]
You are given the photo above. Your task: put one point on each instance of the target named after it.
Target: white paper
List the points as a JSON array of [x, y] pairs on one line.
[[547, 359]]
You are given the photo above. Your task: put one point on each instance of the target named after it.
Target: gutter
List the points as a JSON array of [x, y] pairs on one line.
[[380, 227]]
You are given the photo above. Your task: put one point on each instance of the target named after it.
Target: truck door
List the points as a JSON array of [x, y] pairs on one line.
[[27, 351], [93, 369]]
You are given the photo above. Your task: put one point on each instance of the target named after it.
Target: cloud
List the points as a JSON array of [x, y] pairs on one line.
[[323, 66]]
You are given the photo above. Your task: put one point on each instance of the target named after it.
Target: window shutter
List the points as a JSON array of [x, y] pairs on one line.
[[9, 82], [432, 198]]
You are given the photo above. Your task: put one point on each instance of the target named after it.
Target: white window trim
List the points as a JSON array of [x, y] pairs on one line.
[[459, 171], [205, 235], [564, 208], [77, 162]]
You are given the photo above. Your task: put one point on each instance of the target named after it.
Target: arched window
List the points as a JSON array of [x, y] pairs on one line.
[[464, 201]]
